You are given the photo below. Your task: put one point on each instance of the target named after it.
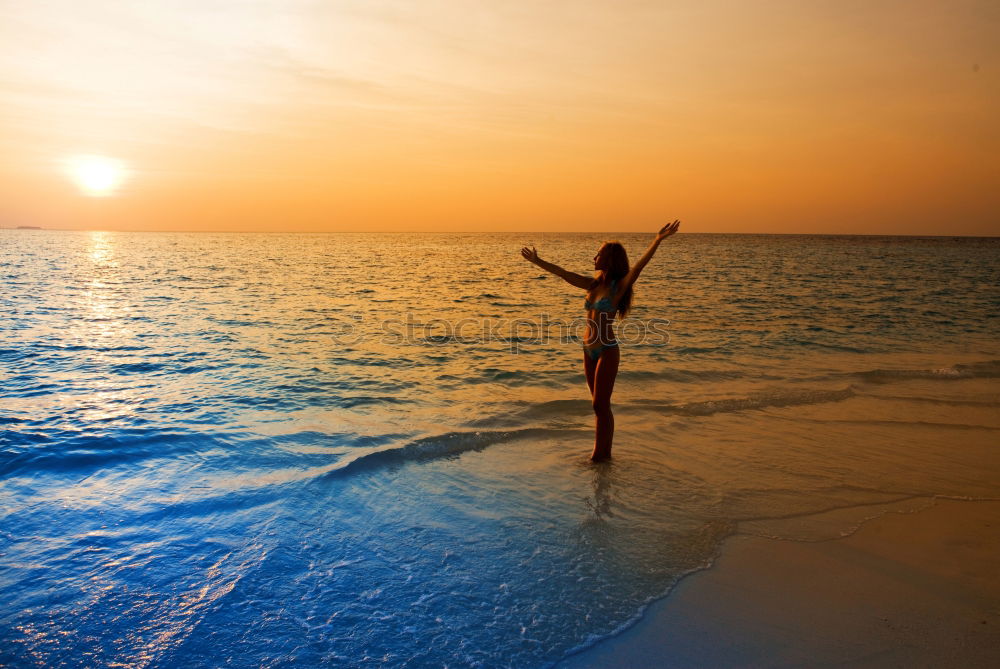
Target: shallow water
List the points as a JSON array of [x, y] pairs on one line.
[[266, 450]]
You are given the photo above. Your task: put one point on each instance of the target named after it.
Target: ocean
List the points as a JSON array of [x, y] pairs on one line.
[[267, 450]]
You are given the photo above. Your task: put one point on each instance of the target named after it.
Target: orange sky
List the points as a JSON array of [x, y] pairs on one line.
[[796, 116]]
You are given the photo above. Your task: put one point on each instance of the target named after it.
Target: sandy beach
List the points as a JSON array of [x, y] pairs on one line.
[[905, 590]]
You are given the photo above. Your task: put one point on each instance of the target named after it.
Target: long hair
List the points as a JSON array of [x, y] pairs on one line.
[[619, 268]]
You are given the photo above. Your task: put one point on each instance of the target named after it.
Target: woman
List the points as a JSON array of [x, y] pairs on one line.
[[609, 292]]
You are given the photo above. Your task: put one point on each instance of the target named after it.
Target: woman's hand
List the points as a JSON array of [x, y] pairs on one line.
[[572, 278], [667, 230]]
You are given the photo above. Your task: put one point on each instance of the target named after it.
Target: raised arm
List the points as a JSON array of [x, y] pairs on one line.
[[633, 274], [578, 280]]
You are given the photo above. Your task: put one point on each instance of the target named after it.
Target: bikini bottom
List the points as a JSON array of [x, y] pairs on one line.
[[595, 351]]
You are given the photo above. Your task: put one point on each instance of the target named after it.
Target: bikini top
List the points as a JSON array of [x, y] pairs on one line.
[[603, 304]]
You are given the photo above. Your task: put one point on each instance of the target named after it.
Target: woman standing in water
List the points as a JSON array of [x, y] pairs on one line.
[[609, 292]]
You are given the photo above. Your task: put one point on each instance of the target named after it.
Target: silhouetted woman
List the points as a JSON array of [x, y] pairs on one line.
[[609, 292]]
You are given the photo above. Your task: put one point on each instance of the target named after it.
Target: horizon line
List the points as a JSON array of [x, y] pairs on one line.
[[489, 232]]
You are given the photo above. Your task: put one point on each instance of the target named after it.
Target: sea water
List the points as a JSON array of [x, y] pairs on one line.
[[266, 450]]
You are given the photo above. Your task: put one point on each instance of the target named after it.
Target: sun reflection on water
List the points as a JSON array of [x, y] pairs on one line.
[[101, 326], [102, 247], [102, 294]]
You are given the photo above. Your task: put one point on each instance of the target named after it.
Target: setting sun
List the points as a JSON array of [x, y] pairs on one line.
[[97, 176]]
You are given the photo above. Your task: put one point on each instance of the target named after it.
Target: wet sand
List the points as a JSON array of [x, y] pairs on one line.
[[905, 590]]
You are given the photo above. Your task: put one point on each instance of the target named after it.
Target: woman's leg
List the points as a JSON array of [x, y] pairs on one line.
[[605, 372], [589, 366]]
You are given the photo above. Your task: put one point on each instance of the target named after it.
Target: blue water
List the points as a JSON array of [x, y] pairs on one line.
[[359, 450]]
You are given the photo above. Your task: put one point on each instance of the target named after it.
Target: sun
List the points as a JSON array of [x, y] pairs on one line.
[[97, 176]]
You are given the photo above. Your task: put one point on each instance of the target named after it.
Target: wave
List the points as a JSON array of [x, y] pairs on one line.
[[78, 452], [563, 379], [512, 378], [734, 404], [445, 445], [137, 368], [689, 375], [576, 408], [988, 369], [939, 400], [75, 347], [531, 414], [69, 450], [763, 401], [833, 347]]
